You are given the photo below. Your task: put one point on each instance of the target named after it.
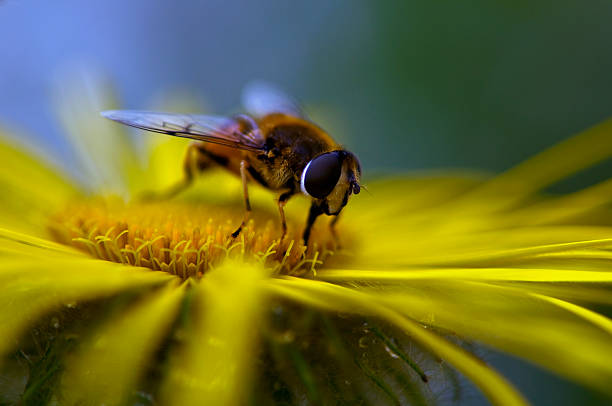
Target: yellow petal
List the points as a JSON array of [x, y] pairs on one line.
[[399, 196], [465, 274], [14, 244], [571, 207], [482, 249], [107, 155], [31, 189], [562, 337], [597, 319], [336, 298], [590, 293], [166, 157], [31, 288], [215, 364], [577, 153], [108, 365]]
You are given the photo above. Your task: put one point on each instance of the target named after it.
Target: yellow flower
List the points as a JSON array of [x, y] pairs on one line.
[[429, 264]]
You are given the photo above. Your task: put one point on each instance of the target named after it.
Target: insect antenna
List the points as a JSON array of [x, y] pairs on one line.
[[364, 187]]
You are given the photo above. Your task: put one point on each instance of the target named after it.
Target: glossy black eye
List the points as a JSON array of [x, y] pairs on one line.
[[321, 174]]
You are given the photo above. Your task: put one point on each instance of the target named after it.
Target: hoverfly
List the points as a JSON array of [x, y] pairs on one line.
[[274, 145]]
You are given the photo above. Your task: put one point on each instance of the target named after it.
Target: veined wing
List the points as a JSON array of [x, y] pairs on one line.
[[217, 130], [261, 98]]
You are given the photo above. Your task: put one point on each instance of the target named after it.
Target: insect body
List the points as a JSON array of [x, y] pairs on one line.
[[274, 146]]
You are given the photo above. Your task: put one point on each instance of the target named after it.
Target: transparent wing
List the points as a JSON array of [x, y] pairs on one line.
[[235, 133], [261, 98]]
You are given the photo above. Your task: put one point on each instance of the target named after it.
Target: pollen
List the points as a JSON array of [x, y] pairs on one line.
[[187, 239]]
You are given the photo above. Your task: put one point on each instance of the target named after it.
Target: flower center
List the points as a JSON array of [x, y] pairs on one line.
[[186, 239]]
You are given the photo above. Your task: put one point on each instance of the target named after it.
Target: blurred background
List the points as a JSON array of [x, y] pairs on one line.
[[406, 85]]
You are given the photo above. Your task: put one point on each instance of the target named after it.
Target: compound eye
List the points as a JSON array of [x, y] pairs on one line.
[[321, 174]]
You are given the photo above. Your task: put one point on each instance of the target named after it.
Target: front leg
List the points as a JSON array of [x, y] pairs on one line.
[[282, 201], [315, 211], [332, 228], [245, 191]]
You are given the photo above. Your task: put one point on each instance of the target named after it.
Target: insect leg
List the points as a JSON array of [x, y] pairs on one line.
[[247, 203], [282, 201], [332, 228], [315, 211]]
